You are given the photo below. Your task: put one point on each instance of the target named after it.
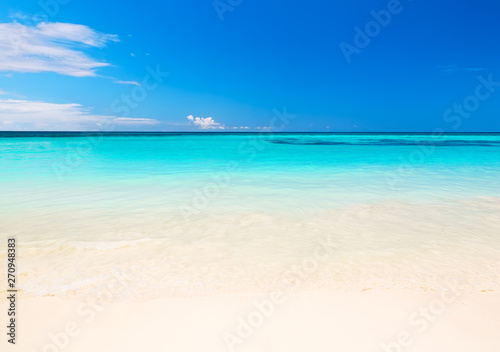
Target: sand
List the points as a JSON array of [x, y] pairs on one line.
[[373, 320]]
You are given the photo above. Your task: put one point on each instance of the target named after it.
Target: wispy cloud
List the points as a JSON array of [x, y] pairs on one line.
[[43, 116], [128, 82], [2, 92], [449, 69], [51, 47], [135, 121], [475, 69], [18, 15], [205, 123]]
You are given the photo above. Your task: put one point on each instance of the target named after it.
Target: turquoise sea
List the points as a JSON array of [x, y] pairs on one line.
[[203, 213]]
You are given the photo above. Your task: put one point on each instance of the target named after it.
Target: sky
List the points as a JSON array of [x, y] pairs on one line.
[[250, 65]]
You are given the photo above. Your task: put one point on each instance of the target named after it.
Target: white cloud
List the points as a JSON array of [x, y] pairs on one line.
[[42, 116], [75, 33], [18, 15], [205, 123], [130, 120], [208, 123], [3, 92], [128, 82], [50, 47]]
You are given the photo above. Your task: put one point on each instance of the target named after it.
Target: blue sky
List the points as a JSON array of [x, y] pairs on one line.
[[335, 65]]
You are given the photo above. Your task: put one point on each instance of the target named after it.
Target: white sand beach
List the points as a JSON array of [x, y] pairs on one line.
[[298, 321]]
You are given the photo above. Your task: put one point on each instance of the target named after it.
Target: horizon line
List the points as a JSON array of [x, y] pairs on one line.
[[255, 132]]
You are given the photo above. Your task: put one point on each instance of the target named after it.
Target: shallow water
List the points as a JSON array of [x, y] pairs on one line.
[[190, 214]]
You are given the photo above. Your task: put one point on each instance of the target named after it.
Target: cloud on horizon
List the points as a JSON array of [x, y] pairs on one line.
[[205, 123], [51, 47], [25, 115], [208, 123]]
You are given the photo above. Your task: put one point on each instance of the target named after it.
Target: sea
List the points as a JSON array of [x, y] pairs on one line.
[[188, 214]]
